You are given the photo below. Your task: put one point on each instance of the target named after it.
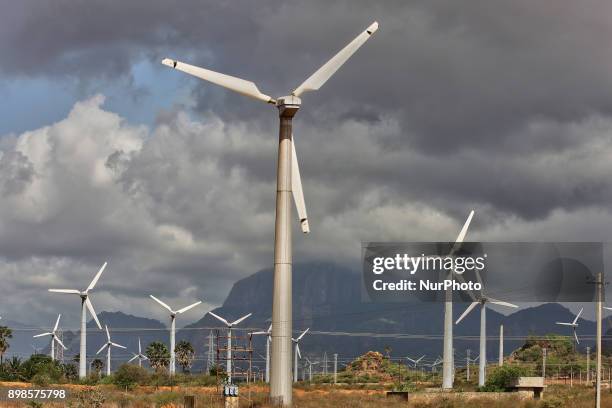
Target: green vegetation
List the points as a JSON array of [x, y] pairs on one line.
[[158, 355], [5, 335], [502, 378], [184, 354]]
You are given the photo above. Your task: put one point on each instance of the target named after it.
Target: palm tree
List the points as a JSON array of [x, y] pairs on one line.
[[184, 354], [158, 355], [97, 365], [5, 334]]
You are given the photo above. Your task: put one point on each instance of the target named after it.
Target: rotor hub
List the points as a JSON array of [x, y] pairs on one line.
[[288, 105]]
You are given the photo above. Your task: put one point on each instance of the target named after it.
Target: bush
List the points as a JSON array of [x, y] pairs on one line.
[[129, 375], [502, 378]]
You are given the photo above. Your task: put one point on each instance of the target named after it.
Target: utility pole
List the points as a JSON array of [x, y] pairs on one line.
[[600, 284], [210, 358], [588, 373], [544, 364], [501, 345], [468, 365], [335, 368]]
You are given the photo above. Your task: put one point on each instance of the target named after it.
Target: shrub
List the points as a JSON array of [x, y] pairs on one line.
[[502, 378], [129, 375]]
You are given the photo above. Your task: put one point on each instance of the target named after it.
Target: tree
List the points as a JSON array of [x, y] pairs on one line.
[[5, 334], [70, 372], [129, 375], [184, 354], [158, 355], [97, 365]]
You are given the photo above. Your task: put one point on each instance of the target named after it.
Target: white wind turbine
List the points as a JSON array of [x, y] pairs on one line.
[[447, 354], [297, 354], [268, 334], [173, 314], [574, 324], [417, 361], [288, 182], [482, 300], [108, 346], [85, 303], [229, 341], [138, 356], [54, 337]]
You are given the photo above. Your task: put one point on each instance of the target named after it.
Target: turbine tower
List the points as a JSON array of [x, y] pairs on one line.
[[173, 314], [54, 337], [268, 334], [482, 300], [448, 362], [229, 341], [297, 354], [574, 324], [141, 357], [85, 304], [108, 346], [288, 181]]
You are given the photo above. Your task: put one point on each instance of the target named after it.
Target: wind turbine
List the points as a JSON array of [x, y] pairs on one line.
[[173, 314], [288, 181], [268, 334], [574, 324], [138, 356], [447, 355], [297, 354], [434, 364], [415, 362], [85, 303], [54, 338], [108, 346], [482, 300], [229, 341]]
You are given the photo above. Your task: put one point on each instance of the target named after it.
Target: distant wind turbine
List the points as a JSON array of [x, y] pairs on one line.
[[173, 314], [268, 334], [54, 337], [85, 304], [574, 324], [229, 341], [141, 357], [297, 354], [108, 345], [417, 361]]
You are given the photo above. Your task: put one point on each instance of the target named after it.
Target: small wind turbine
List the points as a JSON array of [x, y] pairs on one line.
[[138, 356], [415, 362], [297, 354], [173, 314], [574, 324], [108, 346], [229, 341], [482, 300], [268, 334], [85, 303], [288, 182], [433, 365], [54, 337]]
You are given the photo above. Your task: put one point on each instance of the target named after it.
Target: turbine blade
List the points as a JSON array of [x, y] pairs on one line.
[[241, 319], [56, 323], [296, 189], [220, 318], [576, 337], [422, 357], [95, 279], [118, 345], [578, 315], [60, 343], [608, 308], [462, 233], [316, 80], [93, 312], [467, 311], [297, 348], [133, 358], [43, 334], [565, 324], [501, 303], [107, 333], [161, 303], [74, 291], [303, 333], [189, 307], [102, 348], [239, 85], [270, 329], [139, 349]]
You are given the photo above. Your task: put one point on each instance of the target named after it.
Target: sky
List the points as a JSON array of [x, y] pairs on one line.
[[107, 155]]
